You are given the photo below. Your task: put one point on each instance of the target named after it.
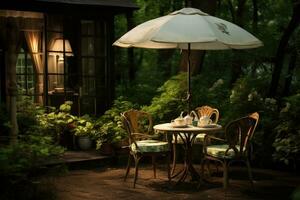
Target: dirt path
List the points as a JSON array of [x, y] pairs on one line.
[[108, 184]]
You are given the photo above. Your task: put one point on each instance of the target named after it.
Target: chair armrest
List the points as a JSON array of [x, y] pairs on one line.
[[215, 138]]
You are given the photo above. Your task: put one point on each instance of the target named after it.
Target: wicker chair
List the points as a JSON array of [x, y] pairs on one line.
[[138, 125], [235, 147], [213, 114]]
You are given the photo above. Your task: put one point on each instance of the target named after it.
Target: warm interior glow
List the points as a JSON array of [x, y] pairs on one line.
[[58, 47]]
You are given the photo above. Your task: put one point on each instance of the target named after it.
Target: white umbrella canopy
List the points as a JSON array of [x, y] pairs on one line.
[[188, 28], [188, 25]]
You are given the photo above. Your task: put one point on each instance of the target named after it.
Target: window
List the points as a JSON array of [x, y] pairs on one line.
[[93, 65], [30, 67], [62, 82], [77, 70], [25, 72]]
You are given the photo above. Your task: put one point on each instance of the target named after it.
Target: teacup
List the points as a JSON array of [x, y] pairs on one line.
[[178, 122], [205, 120]]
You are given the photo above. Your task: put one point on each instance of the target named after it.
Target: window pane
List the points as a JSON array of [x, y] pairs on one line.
[[100, 47], [87, 27], [52, 36], [29, 61], [100, 29], [87, 46], [88, 86], [101, 72], [52, 64], [21, 83], [56, 83], [30, 70], [20, 67], [88, 66]]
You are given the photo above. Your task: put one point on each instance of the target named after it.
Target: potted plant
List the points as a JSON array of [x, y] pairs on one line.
[[60, 123], [84, 130], [110, 136]]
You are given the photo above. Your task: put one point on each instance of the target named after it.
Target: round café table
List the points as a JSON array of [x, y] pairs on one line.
[[187, 134]]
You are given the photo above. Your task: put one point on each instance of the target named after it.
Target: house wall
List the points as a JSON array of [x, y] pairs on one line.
[[73, 66]]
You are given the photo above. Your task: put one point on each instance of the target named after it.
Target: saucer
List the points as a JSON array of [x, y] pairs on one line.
[[208, 126], [179, 126]]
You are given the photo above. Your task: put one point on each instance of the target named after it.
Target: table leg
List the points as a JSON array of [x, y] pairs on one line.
[[188, 168]]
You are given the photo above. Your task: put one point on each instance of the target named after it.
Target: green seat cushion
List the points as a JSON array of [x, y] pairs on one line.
[[219, 151], [199, 138], [145, 146]]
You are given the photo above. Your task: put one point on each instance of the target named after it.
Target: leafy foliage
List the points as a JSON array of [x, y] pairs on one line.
[[287, 142], [84, 126], [27, 112], [32, 152], [168, 103], [111, 129], [58, 121], [21, 164]]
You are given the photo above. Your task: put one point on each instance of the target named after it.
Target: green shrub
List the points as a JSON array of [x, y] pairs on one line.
[[110, 125], [168, 104], [56, 122], [26, 114], [85, 126], [23, 165], [287, 142]]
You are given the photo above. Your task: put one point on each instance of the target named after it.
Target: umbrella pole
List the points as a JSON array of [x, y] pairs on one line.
[[189, 78]]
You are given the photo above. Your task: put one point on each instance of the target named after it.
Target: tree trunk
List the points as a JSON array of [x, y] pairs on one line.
[[163, 61], [288, 79], [237, 62], [240, 13], [231, 9], [293, 24], [254, 16]]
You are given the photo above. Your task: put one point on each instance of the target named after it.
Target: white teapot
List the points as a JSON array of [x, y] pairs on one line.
[[188, 118], [204, 120]]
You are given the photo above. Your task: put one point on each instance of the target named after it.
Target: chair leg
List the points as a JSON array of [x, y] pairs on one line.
[[168, 167], [250, 173], [217, 168], [202, 166], [174, 159], [154, 165], [136, 160], [128, 167], [208, 168], [225, 175]]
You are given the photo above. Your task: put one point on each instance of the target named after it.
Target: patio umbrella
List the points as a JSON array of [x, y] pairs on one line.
[[189, 29]]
